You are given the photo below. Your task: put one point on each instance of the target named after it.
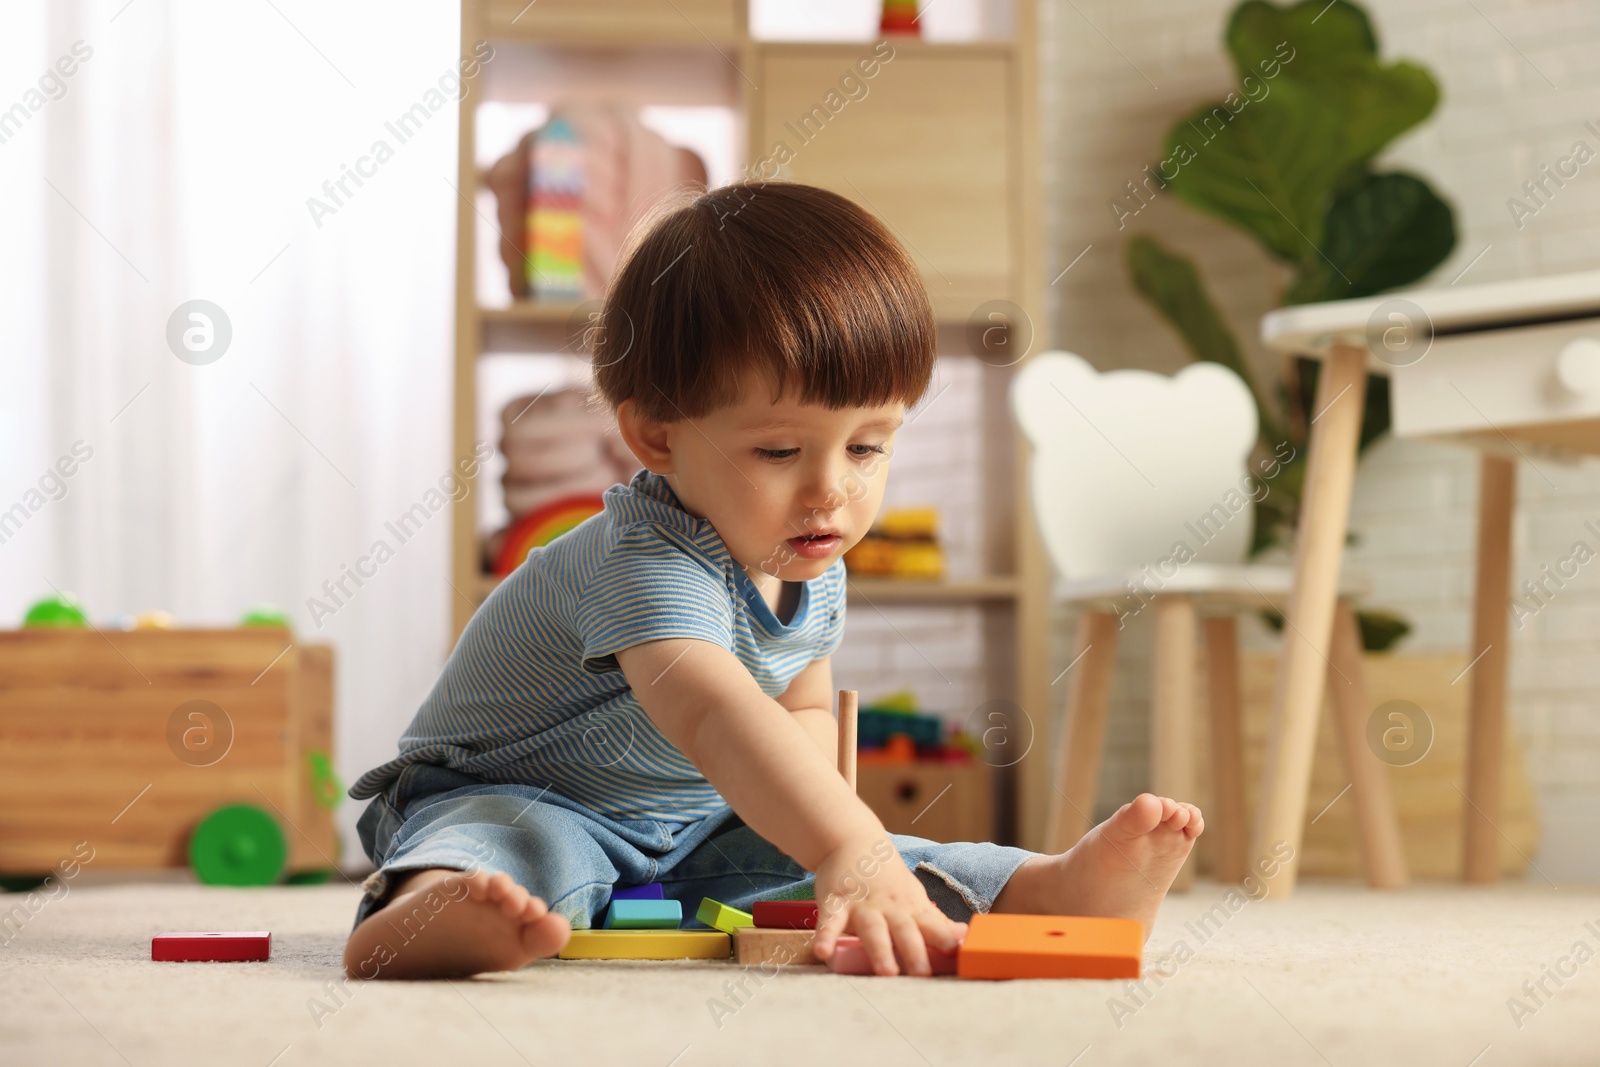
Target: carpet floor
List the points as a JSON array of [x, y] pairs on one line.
[[1434, 975]]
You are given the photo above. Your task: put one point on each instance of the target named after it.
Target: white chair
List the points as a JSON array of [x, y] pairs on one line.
[[1142, 490]]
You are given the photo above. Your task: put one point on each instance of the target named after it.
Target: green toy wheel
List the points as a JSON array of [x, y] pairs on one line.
[[326, 789], [238, 845], [265, 615], [22, 883], [62, 611]]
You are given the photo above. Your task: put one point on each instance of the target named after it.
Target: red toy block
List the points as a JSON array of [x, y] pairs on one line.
[[850, 958], [1051, 946], [234, 947], [785, 914]]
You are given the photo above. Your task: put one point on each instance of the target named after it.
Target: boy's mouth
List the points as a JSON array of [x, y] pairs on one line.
[[815, 545]]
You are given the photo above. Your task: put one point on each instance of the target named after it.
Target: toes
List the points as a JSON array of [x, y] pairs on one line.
[[1178, 818], [1141, 814], [546, 936]]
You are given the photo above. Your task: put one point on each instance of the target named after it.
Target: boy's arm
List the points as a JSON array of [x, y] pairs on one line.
[[768, 765], [775, 776], [809, 699]]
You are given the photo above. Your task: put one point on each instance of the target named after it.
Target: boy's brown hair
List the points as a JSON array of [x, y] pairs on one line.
[[762, 280]]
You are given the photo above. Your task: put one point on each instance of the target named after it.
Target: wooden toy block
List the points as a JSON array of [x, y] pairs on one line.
[[647, 945], [719, 916], [785, 914], [849, 957], [644, 915], [653, 891], [224, 947], [784, 948], [1051, 946]]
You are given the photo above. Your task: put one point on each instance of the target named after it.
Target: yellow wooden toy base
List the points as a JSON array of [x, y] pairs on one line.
[[647, 945]]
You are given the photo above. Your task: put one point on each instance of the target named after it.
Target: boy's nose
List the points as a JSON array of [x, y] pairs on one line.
[[827, 490]]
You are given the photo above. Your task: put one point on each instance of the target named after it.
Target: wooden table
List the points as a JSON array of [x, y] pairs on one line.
[[1509, 368]]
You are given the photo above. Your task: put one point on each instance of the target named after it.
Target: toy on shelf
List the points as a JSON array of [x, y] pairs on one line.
[[647, 945], [644, 915], [62, 611], [899, 16], [555, 213], [720, 916], [892, 730], [903, 543], [626, 169], [899, 750], [539, 527], [221, 947]]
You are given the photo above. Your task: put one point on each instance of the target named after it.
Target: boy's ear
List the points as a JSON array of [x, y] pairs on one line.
[[647, 439]]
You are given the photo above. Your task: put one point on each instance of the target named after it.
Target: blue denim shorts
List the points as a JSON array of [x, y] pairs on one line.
[[572, 857]]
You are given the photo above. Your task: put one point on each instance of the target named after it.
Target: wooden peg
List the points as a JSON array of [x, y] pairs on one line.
[[847, 736]]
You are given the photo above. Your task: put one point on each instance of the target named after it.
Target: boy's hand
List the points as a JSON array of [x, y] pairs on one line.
[[863, 887]]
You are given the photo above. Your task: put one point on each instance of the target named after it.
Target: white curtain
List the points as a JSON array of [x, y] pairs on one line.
[[174, 163]]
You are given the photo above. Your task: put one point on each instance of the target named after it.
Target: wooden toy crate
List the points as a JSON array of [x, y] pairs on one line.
[[906, 796], [97, 746]]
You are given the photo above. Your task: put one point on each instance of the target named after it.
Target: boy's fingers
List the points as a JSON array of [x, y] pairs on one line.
[[941, 931], [909, 944], [829, 927], [874, 934]]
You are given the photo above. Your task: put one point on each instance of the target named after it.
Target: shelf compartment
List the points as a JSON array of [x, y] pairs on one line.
[[614, 21]]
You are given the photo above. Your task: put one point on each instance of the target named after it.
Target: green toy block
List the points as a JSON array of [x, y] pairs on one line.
[[721, 917], [644, 915]]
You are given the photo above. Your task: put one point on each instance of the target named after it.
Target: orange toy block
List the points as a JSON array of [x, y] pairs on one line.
[[1050, 946]]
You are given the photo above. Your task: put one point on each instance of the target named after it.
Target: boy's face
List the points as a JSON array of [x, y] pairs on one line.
[[788, 486]]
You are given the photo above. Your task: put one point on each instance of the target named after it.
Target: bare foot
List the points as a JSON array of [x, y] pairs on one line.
[[1120, 869], [443, 923]]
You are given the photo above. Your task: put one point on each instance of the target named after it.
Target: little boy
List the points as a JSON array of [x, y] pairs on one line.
[[648, 698]]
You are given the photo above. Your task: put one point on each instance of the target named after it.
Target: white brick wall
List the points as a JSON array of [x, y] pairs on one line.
[[935, 651], [1499, 119]]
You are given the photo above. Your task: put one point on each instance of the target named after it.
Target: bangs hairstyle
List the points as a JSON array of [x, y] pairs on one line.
[[762, 282]]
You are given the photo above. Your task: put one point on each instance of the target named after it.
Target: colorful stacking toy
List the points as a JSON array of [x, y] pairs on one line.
[[721, 917], [644, 915]]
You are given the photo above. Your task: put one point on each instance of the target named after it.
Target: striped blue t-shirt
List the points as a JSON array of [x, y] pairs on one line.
[[532, 693]]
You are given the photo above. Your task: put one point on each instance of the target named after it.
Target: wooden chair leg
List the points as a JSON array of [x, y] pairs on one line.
[[1486, 722], [1376, 824], [1172, 708], [1302, 672], [1083, 738], [1225, 817]]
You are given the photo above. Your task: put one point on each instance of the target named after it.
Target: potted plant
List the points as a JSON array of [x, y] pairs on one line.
[[1289, 159]]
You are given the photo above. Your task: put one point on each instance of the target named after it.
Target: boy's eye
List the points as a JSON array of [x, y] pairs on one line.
[[859, 451]]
